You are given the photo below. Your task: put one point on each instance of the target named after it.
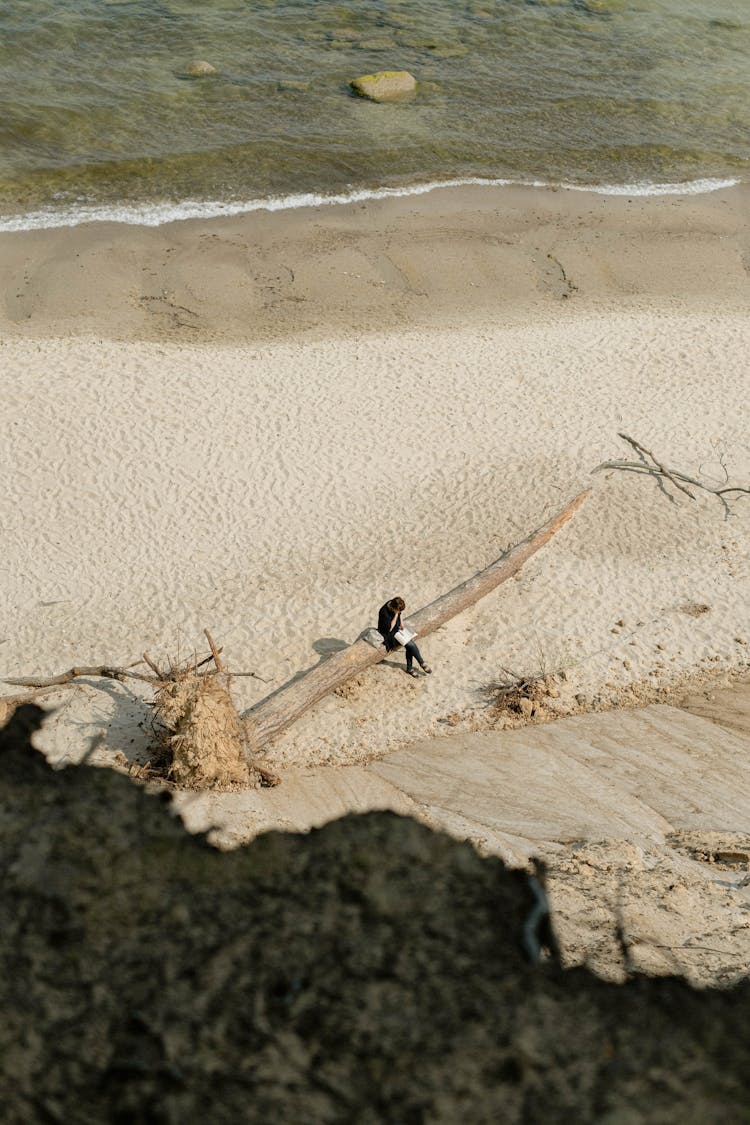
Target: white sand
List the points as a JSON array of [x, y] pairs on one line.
[[438, 377], [279, 493]]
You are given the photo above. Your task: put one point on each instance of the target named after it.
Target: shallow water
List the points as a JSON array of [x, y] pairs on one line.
[[97, 109]]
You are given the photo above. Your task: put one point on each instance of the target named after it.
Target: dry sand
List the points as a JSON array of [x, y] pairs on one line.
[[270, 424]]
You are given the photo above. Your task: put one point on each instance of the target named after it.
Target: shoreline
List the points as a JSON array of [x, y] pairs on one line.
[[160, 214], [453, 258]]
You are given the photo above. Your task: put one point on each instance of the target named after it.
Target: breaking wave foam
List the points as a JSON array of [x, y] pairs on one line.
[[157, 214]]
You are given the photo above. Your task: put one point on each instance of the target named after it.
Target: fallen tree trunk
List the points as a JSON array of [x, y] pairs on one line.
[[272, 715]]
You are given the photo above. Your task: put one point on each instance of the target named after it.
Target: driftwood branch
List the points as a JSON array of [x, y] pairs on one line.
[[653, 467], [662, 470], [104, 670], [157, 672], [215, 652], [278, 711]]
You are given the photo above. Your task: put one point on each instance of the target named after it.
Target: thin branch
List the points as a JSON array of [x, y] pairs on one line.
[[104, 670], [214, 651], [639, 467], [153, 667], [662, 470], [107, 671], [718, 448], [677, 478]]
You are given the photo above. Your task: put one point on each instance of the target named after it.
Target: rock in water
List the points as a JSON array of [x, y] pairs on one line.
[[377, 43], [385, 86], [201, 69]]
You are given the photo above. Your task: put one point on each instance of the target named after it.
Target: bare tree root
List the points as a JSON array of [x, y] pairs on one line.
[[201, 741], [523, 695]]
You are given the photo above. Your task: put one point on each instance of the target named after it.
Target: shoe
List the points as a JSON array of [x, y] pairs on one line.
[[412, 672], [427, 670]]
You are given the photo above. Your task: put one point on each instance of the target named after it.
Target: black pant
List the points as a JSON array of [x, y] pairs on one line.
[[411, 652]]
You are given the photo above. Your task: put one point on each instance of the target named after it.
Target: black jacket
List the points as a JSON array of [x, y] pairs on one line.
[[385, 616]]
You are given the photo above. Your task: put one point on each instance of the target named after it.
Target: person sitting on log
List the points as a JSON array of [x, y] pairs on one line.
[[389, 624]]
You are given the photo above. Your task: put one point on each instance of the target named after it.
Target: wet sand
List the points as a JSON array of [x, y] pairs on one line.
[[455, 257]]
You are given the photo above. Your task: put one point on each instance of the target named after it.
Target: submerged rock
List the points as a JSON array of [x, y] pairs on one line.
[[385, 85], [456, 52], [419, 42], [604, 7], [199, 68], [378, 43], [343, 35], [292, 86]]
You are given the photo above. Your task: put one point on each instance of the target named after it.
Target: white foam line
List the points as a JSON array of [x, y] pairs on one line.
[[157, 214]]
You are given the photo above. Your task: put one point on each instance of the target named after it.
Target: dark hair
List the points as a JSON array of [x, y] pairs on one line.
[[397, 605]]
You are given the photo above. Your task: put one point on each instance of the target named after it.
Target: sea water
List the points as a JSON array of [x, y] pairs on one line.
[[99, 116]]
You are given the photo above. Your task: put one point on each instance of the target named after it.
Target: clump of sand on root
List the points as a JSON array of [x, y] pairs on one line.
[[202, 733]]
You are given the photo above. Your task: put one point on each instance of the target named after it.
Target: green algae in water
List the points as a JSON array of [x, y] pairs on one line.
[[97, 107]]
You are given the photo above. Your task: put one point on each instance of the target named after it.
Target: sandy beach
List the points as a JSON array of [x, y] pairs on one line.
[[270, 424], [456, 257]]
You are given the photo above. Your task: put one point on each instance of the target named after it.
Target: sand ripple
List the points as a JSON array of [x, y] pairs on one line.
[[278, 494]]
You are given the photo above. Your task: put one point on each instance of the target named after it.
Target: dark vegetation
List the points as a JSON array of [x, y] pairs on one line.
[[370, 972]]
